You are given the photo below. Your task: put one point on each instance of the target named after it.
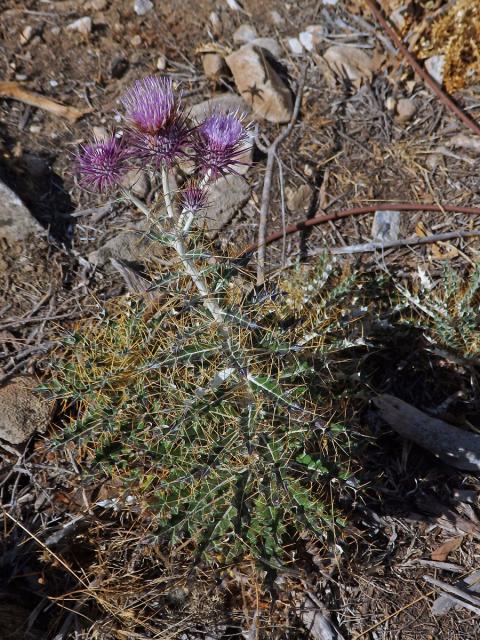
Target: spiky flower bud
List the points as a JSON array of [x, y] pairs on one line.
[[149, 104], [193, 198], [159, 133], [220, 142], [102, 164]]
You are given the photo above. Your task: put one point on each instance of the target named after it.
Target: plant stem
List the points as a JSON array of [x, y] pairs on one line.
[[179, 246], [166, 193], [198, 280]]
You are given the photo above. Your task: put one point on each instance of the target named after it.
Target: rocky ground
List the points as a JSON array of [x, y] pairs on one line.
[[359, 128]]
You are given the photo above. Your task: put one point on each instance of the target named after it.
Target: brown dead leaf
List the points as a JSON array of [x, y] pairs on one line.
[[420, 230], [444, 251], [442, 552]]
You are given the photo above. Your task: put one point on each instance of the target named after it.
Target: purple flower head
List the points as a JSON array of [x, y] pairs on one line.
[[222, 139], [193, 197], [159, 133], [102, 164], [164, 147], [149, 104]]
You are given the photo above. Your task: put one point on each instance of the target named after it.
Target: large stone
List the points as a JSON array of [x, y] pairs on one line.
[[22, 411], [257, 77], [16, 221], [226, 197], [350, 63], [221, 103], [137, 180], [386, 226], [130, 246], [270, 44]]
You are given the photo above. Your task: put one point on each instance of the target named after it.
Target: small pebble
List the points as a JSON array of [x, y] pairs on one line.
[[20, 77], [97, 5], [435, 67], [306, 39], [275, 18], [161, 63], [390, 104], [26, 35], [142, 7], [82, 25], [216, 24], [295, 46], [100, 133], [233, 4], [35, 128], [308, 170], [245, 33], [53, 83], [136, 41], [406, 109]]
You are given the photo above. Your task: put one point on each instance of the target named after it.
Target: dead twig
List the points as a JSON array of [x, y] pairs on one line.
[[444, 98], [467, 600], [405, 242], [46, 549], [15, 91], [271, 152], [357, 211]]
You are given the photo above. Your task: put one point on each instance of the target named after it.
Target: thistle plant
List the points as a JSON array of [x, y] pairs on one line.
[[207, 405]]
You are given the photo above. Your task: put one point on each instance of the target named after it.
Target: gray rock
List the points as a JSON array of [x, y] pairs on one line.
[[299, 200], [454, 446], [137, 180], [226, 197], [142, 7], [82, 25], [215, 24], [436, 67], [16, 221], [386, 225], [131, 245], [219, 104], [270, 44], [22, 411], [275, 18], [244, 33], [295, 46], [260, 84]]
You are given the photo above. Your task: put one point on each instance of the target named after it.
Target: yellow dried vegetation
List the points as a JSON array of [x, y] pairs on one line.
[[456, 35]]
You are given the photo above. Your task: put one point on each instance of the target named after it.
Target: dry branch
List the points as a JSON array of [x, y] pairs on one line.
[[15, 91]]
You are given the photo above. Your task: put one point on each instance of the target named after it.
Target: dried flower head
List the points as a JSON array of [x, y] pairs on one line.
[[159, 133], [102, 164], [221, 140], [193, 197], [149, 104]]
